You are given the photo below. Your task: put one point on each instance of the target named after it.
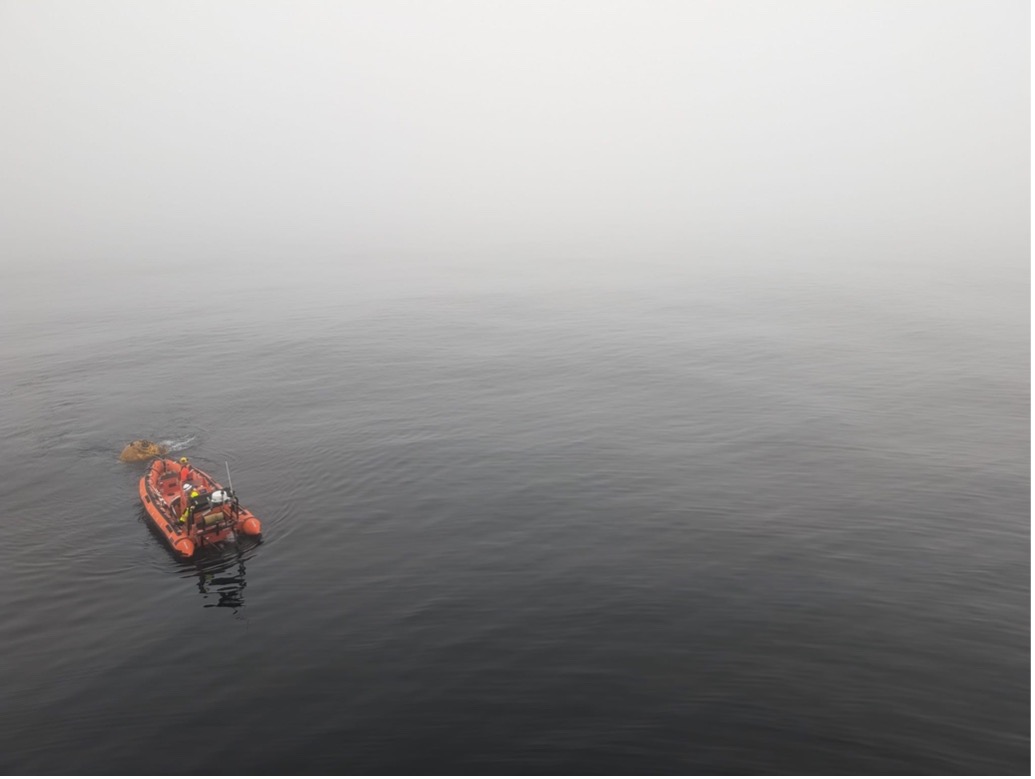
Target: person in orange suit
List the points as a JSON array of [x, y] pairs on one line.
[[184, 470]]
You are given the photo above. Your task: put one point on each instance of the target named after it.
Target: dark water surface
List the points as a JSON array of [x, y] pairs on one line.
[[648, 519]]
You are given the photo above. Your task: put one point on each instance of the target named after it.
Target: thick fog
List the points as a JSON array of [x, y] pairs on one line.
[[209, 131]]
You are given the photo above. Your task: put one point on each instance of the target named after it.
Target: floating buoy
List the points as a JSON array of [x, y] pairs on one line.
[[138, 451]]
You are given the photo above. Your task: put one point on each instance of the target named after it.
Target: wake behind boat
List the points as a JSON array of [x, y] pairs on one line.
[[191, 509]]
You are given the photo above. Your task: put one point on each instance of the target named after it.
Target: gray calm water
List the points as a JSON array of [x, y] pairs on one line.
[[648, 515]]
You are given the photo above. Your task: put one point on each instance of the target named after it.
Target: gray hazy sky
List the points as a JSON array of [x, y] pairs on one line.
[[134, 129]]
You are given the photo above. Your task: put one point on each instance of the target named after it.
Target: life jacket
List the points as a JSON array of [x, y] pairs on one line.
[[192, 503]]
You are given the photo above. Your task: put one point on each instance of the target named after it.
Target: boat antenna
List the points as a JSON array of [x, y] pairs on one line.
[[228, 479]]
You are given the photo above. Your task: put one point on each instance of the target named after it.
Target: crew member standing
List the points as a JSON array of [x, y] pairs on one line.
[[184, 470]]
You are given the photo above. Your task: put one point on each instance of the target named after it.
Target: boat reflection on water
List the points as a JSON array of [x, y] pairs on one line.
[[221, 576], [225, 588]]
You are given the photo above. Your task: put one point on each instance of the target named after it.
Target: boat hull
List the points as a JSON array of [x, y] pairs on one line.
[[162, 495]]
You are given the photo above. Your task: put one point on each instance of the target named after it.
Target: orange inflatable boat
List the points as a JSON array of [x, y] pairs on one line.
[[191, 509]]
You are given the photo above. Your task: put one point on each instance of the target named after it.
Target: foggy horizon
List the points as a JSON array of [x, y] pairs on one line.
[[228, 131]]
